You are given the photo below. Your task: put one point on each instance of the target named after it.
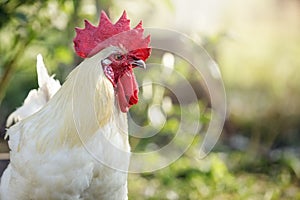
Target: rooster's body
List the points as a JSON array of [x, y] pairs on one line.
[[64, 148], [48, 157]]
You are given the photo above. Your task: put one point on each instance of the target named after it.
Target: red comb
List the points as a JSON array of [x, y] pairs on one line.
[[92, 39]]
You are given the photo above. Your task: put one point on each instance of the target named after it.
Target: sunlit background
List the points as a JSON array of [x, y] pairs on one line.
[[254, 42]]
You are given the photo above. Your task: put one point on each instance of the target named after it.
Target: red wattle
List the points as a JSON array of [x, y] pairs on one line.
[[127, 91]]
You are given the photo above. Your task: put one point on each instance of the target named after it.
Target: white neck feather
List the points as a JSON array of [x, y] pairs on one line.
[[84, 104]]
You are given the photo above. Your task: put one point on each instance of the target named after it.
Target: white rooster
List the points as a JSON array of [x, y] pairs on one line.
[[71, 142]]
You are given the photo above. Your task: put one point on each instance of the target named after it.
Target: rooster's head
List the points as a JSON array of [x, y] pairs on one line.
[[132, 51]]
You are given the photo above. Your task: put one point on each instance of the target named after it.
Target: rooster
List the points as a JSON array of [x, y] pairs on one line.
[[71, 141]]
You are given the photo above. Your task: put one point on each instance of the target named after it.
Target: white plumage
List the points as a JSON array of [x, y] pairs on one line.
[[59, 133], [36, 99]]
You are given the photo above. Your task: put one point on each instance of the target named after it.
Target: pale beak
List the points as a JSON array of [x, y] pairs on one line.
[[139, 63]]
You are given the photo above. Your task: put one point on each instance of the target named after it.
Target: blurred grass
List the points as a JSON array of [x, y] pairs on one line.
[[212, 179]]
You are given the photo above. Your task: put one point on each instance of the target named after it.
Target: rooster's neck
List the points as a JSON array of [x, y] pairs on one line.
[[84, 105]]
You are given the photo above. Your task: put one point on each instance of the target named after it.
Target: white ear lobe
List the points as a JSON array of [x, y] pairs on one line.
[[106, 61]]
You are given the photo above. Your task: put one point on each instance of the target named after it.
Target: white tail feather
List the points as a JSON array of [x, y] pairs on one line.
[[36, 98]]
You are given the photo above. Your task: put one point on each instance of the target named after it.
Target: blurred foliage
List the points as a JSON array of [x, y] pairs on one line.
[[211, 178], [257, 49]]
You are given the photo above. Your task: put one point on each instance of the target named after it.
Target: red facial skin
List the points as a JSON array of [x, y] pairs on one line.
[[120, 73]]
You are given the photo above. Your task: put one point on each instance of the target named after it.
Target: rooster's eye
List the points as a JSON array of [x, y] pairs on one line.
[[118, 56]]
